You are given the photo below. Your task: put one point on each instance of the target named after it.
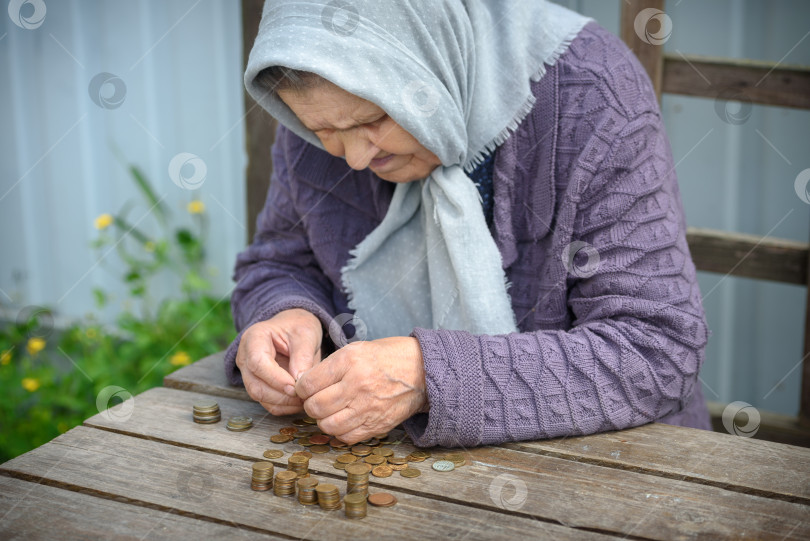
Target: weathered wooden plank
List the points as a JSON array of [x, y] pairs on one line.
[[742, 80], [202, 484], [742, 464], [751, 256], [648, 52], [30, 511], [205, 376], [557, 490]]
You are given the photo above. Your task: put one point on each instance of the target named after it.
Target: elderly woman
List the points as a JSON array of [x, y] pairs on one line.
[[483, 195]]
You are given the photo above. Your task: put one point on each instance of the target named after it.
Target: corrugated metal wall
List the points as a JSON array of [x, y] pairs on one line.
[[181, 64]]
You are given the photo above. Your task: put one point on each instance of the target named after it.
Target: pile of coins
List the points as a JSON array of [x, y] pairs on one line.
[[262, 479], [306, 491], [239, 423], [357, 479], [299, 464], [355, 505], [285, 483], [206, 412], [328, 497]]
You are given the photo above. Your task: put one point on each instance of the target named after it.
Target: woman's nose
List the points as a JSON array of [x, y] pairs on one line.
[[359, 153]]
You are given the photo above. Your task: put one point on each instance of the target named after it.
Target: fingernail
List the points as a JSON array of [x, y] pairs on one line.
[[290, 390]]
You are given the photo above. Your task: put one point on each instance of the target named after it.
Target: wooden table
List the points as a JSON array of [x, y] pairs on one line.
[[144, 470]]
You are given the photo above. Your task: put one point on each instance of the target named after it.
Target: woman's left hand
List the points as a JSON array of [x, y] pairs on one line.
[[365, 388]]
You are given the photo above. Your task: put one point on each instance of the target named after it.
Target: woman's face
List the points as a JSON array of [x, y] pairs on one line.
[[350, 126]]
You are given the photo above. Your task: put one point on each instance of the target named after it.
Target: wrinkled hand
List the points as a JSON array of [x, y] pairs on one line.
[[365, 388], [273, 353]]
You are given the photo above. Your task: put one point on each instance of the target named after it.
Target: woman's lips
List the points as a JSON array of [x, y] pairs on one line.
[[378, 163]]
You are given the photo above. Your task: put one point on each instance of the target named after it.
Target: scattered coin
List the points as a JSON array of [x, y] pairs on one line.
[[304, 441], [347, 458], [421, 454], [382, 451], [374, 460], [382, 499], [397, 460], [361, 450], [443, 465], [299, 422], [239, 423], [273, 453], [410, 472], [383, 470], [310, 421], [337, 444], [288, 430], [280, 438], [339, 465], [320, 449], [320, 439]]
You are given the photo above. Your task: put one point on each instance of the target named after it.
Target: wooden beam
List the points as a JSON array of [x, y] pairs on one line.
[[648, 54], [743, 80], [750, 256], [260, 127]]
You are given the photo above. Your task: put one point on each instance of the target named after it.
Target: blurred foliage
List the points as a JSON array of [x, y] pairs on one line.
[[50, 378]]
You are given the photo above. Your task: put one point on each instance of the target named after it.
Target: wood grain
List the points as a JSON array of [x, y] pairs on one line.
[[751, 256], [743, 80], [31, 511], [201, 484], [649, 55], [559, 490]]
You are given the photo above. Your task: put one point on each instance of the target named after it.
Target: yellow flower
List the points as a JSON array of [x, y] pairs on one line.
[[5, 357], [103, 222], [35, 345], [91, 333], [181, 358], [30, 384], [149, 246], [196, 207]]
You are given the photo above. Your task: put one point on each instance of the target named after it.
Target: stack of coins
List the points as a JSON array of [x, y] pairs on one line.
[[328, 497], [357, 478], [262, 476], [306, 491], [355, 505], [206, 412], [298, 464], [285, 483], [239, 423]]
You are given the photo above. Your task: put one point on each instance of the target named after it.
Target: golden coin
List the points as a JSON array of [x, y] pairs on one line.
[[397, 467], [310, 421], [339, 465], [383, 470], [382, 451], [280, 438], [286, 475], [361, 450], [273, 453], [288, 430], [304, 441], [398, 460], [374, 460], [320, 449], [382, 499], [358, 468], [337, 444], [347, 458], [421, 454], [412, 458], [410, 472], [381, 436], [303, 453]]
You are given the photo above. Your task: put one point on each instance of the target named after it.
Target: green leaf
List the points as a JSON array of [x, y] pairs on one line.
[[149, 193]]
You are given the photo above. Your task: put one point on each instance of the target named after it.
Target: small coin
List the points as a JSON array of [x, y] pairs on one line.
[[421, 454], [319, 439], [358, 468], [382, 451], [280, 438], [337, 444], [397, 467], [273, 453], [412, 458], [303, 453], [310, 421], [286, 475], [320, 449], [339, 465], [347, 458], [288, 430], [304, 441], [241, 420], [372, 442], [443, 465], [398, 460], [410, 472], [361, 450], [206, 405], [262, 466], [299, 422], [382, 470], [374, 460], [382, 499], [381, 436], [298, 460]]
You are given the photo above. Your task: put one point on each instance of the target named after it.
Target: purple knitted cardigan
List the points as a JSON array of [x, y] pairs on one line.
[[591, 163]]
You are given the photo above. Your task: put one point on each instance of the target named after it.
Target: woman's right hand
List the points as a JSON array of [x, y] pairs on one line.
[[273, 353]]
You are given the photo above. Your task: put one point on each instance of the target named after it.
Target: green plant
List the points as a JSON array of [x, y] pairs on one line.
[[50, 378]]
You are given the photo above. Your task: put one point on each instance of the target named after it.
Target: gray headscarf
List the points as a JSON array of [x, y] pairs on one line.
[[456, 75]]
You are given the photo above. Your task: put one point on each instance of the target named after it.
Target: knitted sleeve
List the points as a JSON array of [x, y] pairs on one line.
[[638, 330], [278, 271]]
